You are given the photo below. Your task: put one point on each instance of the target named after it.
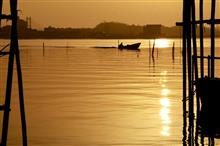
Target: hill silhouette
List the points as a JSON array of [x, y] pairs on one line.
[[118, 30], [104, 30]]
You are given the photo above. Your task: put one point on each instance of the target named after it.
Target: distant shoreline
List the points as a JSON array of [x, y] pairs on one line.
[[105, 30]]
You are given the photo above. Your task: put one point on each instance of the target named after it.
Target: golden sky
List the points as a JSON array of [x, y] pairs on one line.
[[88, 13]]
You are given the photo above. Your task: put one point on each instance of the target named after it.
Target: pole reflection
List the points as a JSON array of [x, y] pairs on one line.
[[165, 105]]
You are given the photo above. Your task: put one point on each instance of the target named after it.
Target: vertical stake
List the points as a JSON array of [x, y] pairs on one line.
[[213, 39]]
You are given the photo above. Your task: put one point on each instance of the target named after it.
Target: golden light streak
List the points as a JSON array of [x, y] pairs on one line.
[[165, 104], [165, 131], [165, 92]]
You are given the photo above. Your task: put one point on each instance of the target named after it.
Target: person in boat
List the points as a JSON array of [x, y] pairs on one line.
[[120, 46]]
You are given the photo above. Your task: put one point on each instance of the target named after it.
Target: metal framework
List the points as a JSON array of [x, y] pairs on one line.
[[13, 56]]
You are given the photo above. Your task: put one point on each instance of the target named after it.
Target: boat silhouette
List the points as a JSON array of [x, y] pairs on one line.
[[134, 46]]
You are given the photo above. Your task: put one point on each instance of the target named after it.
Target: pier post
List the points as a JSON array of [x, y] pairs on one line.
[[13, 56]]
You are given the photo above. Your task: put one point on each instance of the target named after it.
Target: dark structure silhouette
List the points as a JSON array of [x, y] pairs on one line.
[[13, 56], [199, 89]]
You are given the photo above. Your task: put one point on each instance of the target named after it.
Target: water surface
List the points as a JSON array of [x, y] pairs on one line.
[[76, 95]]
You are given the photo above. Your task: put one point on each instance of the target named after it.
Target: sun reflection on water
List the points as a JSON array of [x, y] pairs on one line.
[[162, 43], [165, 92], [165, 131], [165, 104]]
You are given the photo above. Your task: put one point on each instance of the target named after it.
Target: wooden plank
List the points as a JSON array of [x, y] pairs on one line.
[[8, 17]]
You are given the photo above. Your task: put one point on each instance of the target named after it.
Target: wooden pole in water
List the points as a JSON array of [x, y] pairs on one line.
[[201, 39], [149, 49], [14, 36], [184, 98], [21, 99], [195, 67], [153, 49], [213, 38], [189, 63], [173, 51], [43, 49]]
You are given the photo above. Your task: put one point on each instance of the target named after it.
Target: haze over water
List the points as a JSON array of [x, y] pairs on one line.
[[76, 95]]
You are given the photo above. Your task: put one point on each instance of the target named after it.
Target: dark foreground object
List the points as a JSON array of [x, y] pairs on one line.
[[209, 121]]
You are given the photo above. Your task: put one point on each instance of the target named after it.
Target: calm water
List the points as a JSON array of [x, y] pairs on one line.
[[76, 95]]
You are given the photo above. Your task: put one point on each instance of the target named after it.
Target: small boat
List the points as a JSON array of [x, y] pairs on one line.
[[129, 47]]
